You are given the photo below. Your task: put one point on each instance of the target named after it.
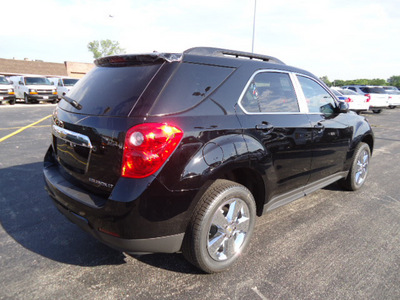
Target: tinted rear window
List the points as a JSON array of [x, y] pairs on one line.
[[373, 90], [110, 91]]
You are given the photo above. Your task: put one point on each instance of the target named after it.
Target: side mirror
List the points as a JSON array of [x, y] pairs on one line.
[[20, 83], [343, 107]]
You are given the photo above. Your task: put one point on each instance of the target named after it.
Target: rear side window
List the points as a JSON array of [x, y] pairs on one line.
[[111, 91], [186, 87]]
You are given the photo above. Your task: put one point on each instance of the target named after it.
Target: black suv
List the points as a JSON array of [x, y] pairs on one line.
[[180, 152]]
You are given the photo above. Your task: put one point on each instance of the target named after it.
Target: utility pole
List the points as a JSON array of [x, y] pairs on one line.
[[254, 25]]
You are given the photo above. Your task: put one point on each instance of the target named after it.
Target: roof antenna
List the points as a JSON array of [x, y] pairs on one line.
[[254, 26]]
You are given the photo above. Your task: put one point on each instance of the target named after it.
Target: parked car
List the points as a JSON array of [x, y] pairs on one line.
[[170, 152], [64, 84], [7, 93], [394, 96], [357, 102], [34, 89], [339, 95], [378, 97]]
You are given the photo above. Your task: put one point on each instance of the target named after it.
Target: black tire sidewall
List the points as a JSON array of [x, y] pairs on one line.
[[206, 262]]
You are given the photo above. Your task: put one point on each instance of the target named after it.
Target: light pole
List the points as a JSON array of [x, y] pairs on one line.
[[254, 26]]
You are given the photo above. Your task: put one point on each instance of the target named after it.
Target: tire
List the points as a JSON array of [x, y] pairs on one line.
[[221, 227], [26, 99], [377, 111], [12, 102], [392, 106], [359, 168]]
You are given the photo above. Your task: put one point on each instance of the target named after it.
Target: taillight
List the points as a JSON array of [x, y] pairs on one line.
[[147, 147], [369, 97], [348, 100]]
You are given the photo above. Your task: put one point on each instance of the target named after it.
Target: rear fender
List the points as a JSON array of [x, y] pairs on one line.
[[213, 157]]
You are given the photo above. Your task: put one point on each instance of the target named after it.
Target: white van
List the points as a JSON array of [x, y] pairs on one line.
[[34, 88], [64, 84], [6, 91]]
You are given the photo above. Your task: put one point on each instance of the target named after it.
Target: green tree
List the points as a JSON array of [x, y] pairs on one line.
[[104, 48], [394, 80], [339, 82], [377, 81], [326, 80]]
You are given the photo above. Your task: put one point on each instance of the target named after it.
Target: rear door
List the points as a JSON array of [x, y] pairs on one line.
[[277, 131]]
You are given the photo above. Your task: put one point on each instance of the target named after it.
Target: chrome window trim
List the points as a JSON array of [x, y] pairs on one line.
[[301, 106]]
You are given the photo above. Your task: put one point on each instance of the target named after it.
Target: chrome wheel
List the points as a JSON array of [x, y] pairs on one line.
[[359, 168], [228, 229], [362, 167], [221, 226]]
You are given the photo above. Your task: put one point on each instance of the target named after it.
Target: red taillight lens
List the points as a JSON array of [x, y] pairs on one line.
[[369, 97], [147, 147], [348, 100]]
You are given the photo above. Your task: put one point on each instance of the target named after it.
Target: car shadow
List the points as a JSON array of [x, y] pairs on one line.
[[171, 262], [29, 217], [333, 187]]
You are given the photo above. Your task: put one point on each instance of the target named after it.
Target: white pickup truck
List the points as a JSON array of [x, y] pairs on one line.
[[34, 89]]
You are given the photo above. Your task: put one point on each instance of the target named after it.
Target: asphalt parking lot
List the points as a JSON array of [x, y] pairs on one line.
[[329, 245]]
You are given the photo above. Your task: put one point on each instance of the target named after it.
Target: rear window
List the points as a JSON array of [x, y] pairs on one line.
[[110, 91], [373, 90], [347, 92]]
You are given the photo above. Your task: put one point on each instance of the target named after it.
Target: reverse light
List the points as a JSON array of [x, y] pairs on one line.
[[147, 148]]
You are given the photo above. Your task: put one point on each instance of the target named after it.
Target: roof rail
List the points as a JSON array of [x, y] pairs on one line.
[[207, 51]]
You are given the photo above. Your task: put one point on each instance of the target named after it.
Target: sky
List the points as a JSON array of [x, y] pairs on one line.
[[341, 39]]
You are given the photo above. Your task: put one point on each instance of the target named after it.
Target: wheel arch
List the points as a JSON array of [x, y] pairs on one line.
[[368, 139], [251, 180]]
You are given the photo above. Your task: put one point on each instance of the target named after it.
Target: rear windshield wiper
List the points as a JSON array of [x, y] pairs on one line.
[[72, 102]]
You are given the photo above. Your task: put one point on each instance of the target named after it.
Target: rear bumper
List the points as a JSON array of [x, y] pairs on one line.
[[164, 244], [153, 221]]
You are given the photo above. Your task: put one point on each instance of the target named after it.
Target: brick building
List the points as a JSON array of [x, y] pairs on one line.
[[24, 67]]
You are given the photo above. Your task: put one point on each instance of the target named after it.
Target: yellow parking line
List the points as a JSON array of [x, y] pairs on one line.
[[23, 128], [11, 128]]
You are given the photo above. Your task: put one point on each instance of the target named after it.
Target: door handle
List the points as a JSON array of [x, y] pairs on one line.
[[265, 126], [319, 126]]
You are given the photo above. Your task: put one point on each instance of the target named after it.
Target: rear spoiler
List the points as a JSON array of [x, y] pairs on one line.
[[156, 57], [137, 59]]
